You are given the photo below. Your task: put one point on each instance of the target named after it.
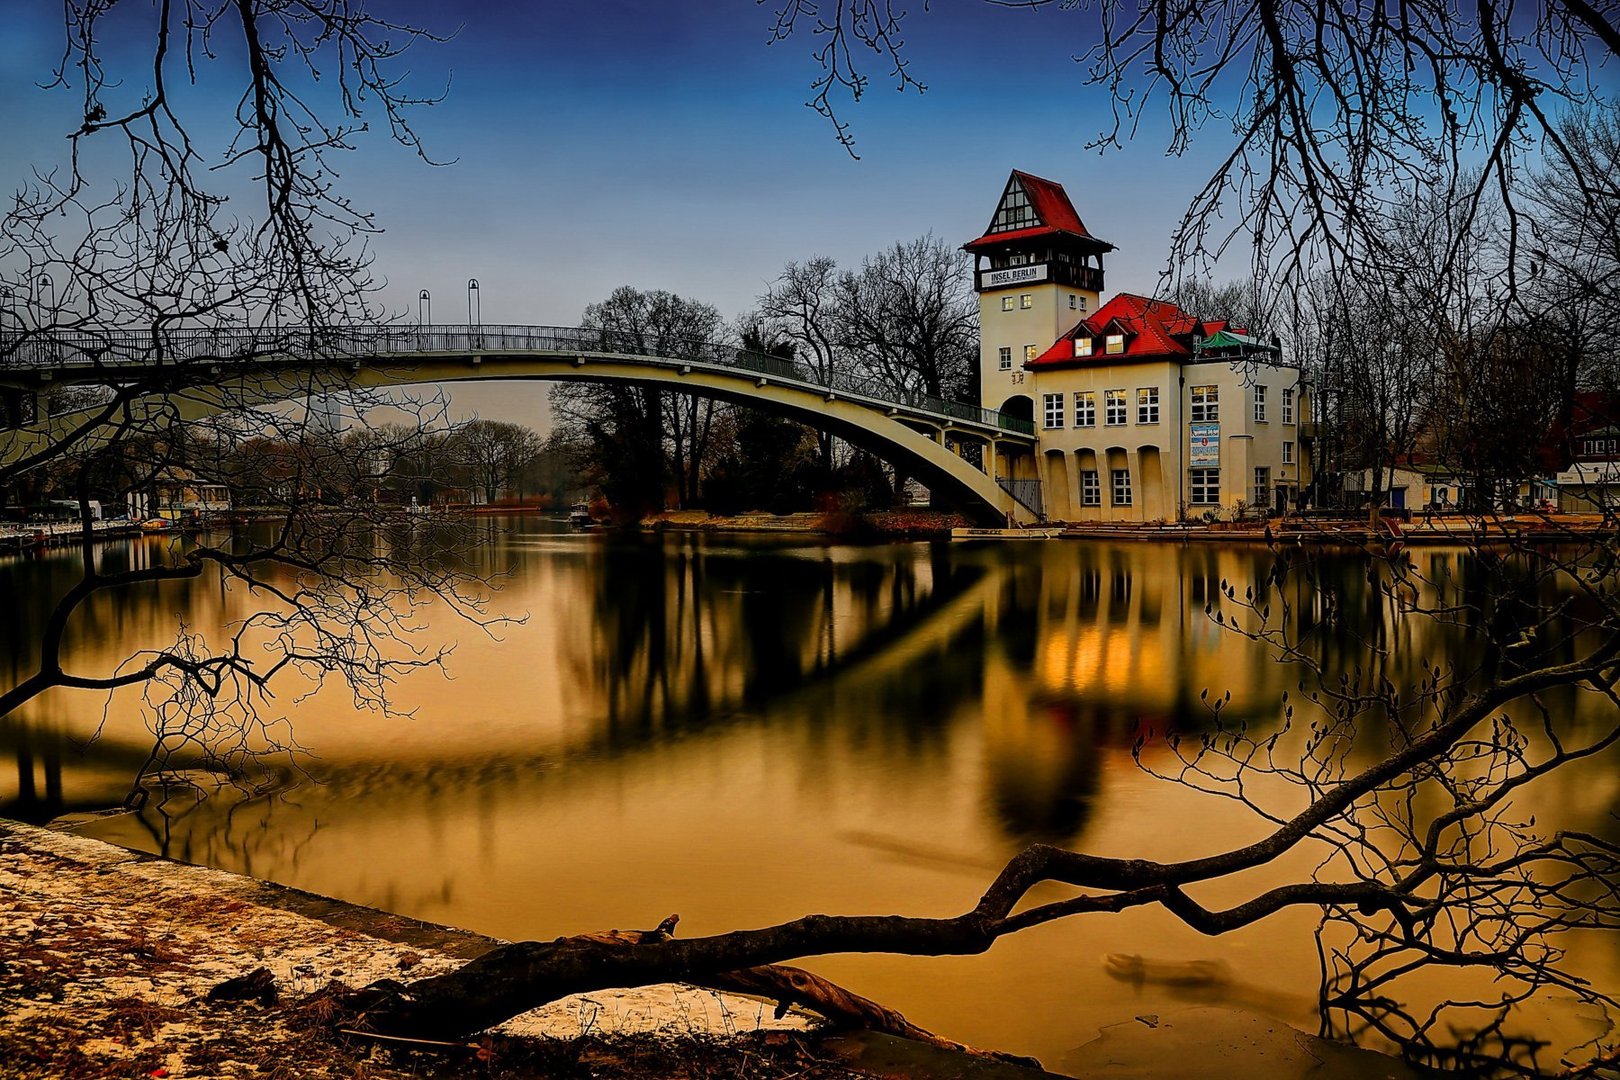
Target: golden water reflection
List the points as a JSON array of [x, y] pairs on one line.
[[747, 730]]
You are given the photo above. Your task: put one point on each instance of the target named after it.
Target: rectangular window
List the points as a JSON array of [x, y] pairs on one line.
[[1006, 303], [1262, 487], [1206, 486], [1206, 403], [1026, 301], [1288, 405], [1122, 487], [1115, 343], [1031, 352], [1085, 408], [1090, 488], [1288, 453], [1082, 346], [1052, 409], [1259, 404], [1071, 301], [1114, 407], [1004, 358], [1147, 405], [1082, 303]]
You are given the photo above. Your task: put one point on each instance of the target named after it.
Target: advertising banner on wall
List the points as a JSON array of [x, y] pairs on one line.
[[1204, 445]]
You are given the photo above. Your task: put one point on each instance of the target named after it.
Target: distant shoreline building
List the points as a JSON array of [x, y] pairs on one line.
[[177, 494], [1143, 411]]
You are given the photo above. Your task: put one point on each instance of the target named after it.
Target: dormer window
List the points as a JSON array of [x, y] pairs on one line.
[[1115, 343], [1082, 346]]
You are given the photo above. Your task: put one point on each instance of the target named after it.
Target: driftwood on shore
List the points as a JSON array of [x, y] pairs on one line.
[[462, 1002]]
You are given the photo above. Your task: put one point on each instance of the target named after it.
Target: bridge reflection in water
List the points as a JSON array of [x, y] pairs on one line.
[[746, 730]]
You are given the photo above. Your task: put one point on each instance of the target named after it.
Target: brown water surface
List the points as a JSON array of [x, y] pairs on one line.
[[744, 729]]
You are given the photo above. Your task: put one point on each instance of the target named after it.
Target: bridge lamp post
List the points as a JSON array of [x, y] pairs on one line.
[[424, 308], [475, 307], [44, 283]]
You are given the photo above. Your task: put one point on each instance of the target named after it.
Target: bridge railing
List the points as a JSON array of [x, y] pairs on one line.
[[183, 345]]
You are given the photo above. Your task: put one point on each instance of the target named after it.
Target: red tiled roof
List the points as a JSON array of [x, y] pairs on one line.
[[1052, 208], [993, 239], [1051, 203], [1153, 329]]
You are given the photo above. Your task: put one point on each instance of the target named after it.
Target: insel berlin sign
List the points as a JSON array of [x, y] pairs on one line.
[[1013, 275], [1204, 442]]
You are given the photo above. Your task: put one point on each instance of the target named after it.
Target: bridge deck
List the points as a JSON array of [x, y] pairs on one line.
[[91, 356]]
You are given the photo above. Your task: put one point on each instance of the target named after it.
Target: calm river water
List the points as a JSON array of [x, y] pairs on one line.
[[747, 729]]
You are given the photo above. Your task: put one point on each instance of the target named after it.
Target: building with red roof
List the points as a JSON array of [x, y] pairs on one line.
[[1586, 452], [1144, 411]]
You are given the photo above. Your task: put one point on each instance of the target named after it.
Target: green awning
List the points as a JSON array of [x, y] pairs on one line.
[[1228, 339]]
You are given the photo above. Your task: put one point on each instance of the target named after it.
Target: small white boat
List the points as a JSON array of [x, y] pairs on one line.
[[579, 516]]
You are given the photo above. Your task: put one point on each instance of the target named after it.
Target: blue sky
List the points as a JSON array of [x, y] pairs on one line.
[[665, 145]]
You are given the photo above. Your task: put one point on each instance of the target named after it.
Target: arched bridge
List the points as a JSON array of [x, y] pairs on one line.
[[201, 372]]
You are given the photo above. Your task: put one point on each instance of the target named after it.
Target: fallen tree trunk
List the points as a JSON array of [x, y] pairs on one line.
[[528, 974], [525, 975], [460, 1002]]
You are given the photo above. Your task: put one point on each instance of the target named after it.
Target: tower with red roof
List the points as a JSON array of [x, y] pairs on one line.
[[1037, 271]]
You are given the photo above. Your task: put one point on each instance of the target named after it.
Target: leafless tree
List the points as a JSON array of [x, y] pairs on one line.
[[1572, 262], [494, 453], [176, 321], [801, 307], [644, 437], [909, 320], [1239, 303]]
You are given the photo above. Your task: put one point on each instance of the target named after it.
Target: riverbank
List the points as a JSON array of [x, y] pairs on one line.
[[1441, 530], [838, 524], [119, 964]]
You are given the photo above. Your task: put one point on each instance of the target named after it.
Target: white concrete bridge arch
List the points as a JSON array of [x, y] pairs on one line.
[[213, 371]]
